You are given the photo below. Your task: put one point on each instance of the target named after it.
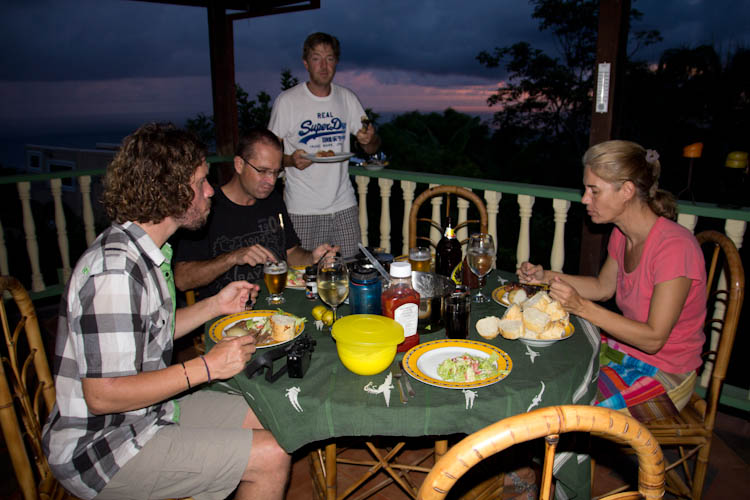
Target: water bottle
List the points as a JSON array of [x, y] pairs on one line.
[[364, 291]]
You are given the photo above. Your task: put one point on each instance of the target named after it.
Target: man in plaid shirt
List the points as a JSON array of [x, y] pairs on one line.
[[116, 430]]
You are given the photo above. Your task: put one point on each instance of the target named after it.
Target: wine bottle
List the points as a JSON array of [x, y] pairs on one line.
[[448, 251]]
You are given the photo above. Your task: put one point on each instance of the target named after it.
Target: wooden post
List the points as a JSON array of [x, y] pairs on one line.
[[610, 48], [221, 43]]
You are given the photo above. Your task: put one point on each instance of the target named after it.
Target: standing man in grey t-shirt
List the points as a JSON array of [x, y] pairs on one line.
[[313, 117]]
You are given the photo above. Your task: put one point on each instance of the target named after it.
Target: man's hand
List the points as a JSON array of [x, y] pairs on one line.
[[324, 250], [234, 297], [253, 256], [365, 135], [229, 356], [299, 161]]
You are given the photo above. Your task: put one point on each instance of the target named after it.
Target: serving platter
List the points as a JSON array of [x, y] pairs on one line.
[[328, 159], [219, 327], [421, 361]]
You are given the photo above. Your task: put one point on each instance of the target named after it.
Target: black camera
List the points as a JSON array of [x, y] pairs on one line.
[[298, 355]]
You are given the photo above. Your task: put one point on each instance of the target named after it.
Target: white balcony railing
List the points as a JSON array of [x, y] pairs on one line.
[[530, 200]]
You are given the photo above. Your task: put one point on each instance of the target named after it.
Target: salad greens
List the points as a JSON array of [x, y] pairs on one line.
[[468, 368]]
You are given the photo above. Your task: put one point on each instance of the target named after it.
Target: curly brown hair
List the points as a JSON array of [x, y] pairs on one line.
[[149, 178]]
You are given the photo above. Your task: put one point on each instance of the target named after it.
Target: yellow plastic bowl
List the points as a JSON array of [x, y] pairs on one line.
[[366, 343]]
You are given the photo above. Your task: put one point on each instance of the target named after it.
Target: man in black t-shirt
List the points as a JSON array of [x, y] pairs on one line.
[[248, 225]]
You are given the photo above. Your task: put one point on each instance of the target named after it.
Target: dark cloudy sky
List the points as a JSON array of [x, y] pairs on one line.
[[71, 63]]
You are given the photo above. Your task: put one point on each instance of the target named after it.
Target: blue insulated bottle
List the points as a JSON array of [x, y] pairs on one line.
[[364, 291]]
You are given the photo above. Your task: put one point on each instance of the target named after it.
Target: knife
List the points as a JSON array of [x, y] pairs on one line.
[[409, 389], [397, 373]]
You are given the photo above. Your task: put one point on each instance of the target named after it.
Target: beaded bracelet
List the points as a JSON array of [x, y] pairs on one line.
[[186, 375], [208, 372]]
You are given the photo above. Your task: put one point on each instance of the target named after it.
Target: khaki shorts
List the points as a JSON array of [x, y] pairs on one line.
[[203, 456]]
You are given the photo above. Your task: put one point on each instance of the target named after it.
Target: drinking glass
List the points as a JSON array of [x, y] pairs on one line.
[[333, 281], [420, 257], [274, 274], [457, 312], [481, 255]]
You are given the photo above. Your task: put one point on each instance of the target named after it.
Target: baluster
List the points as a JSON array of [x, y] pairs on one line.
[[407, 188], [24, 193], [687, 221], [88, 213], [437, 201], [362, 182], [735, 230], [385, 213], [525, 203], [61, 226], [463, 210], [557, 259], [493, 207]]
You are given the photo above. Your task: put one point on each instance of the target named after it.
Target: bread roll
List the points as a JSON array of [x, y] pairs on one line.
[[555, 330], [556, 311], [488, 327], [539, 300], [534, 320], [517, 296], [511, 329], [513, 312], [282, 327]]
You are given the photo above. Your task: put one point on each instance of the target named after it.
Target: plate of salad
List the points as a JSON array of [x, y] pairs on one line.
[[457, 364]]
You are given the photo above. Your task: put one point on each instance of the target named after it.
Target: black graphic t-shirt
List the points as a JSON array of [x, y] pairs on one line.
[[231, 226]]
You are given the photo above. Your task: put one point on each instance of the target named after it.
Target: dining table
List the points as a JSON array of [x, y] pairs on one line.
[[330, 403]]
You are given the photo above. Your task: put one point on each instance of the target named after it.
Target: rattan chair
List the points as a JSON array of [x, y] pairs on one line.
[[414, 218], [27, 394], [691, 431], [549, 423]]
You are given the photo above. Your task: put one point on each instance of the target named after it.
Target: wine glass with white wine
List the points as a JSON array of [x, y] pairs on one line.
[[481, 256], [333, 281]]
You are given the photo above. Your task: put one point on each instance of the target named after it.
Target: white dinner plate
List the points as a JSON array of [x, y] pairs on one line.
[[421, 361], [216, 331], [328, 159]]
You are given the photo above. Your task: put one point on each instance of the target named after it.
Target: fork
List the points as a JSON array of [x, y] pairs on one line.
[[397, 374]]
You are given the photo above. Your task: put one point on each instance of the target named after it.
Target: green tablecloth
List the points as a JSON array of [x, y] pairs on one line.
[[334, 403]]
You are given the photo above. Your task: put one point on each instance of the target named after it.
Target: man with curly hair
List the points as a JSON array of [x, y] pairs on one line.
[[118, 429]]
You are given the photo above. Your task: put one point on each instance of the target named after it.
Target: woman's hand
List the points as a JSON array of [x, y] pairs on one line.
[[567, 296], [229, 356], [530, 273]]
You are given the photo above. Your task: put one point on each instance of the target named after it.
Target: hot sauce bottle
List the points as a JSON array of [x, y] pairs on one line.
[[401, 302]]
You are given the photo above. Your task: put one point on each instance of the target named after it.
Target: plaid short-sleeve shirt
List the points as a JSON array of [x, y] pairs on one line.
[[115, 320]]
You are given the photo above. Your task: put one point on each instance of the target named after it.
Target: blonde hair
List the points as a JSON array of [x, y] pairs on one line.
[[620, 161]]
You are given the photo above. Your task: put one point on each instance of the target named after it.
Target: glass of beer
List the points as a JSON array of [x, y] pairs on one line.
[[274, 275], [420, 259]]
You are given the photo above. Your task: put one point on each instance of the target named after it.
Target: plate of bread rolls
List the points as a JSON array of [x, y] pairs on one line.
[[538, 321]]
